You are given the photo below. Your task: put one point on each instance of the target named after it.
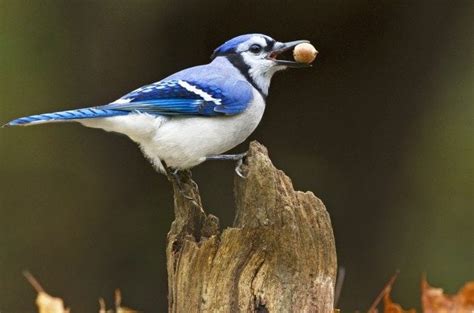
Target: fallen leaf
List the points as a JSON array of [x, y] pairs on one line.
[[102, 306], [466, 296], [118, 304], [45, 302], [433, 300], [391, 307], [49, 304]]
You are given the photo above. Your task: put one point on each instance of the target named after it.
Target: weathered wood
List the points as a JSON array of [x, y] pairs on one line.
[[279, 256]]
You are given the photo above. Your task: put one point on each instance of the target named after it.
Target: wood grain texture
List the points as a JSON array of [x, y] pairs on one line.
[[279, 256]]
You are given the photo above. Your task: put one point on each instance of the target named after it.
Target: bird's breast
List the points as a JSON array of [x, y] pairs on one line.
[[183, 142]]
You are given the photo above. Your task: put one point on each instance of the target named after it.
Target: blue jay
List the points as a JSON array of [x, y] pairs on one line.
[[195, 114]]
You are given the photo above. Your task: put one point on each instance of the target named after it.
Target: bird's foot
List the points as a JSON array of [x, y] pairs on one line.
[[232, 157], [238, 167], [179, 183]]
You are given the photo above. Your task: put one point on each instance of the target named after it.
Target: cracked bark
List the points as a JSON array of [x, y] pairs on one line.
[[279, 256]]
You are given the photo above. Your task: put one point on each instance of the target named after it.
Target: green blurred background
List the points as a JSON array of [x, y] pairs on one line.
[[381, 129]]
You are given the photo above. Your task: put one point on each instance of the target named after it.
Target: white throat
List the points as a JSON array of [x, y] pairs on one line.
[[261, 72]]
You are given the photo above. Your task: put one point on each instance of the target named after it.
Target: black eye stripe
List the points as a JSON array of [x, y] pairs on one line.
[[270, 44]]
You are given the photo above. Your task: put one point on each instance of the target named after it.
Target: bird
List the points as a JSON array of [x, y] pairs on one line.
[[196, 114]]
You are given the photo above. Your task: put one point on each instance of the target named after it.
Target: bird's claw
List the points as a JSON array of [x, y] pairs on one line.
[[238, 168], [175, 174], [232, 157]]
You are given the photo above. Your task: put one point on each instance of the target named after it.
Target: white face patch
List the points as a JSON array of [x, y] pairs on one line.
[[260, 67], [261, 70], [204, 95]]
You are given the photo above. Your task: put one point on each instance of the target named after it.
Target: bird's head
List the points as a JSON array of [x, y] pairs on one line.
[[256, 56]]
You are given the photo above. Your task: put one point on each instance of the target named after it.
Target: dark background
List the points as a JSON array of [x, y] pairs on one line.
[[381, 129]]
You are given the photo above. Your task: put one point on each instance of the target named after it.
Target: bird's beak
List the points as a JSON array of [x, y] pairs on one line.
[[281, 47]]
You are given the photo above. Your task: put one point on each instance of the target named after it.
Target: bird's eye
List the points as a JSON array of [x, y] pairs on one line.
[[255, 48]]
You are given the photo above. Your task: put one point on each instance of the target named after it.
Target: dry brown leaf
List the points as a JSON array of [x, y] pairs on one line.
[[433, 300], [102, 307], [391, 307], [118, 304], [49, 304], [466, 296], [45, 302], [125, 310]]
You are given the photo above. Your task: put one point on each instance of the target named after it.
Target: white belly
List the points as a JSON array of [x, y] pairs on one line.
[[184, 142]]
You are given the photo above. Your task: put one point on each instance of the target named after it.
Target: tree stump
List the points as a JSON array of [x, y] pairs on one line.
[[279, 256]]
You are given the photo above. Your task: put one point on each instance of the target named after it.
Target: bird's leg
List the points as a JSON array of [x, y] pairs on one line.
[[177, 178], [232, 157]]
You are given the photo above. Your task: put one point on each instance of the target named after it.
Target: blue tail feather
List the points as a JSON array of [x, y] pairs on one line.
[[64, 116]]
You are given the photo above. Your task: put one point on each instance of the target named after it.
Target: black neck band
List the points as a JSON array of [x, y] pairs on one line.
[[237, 61]]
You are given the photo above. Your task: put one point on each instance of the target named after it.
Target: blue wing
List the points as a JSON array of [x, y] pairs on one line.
[[213, 90], [185, 97]]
